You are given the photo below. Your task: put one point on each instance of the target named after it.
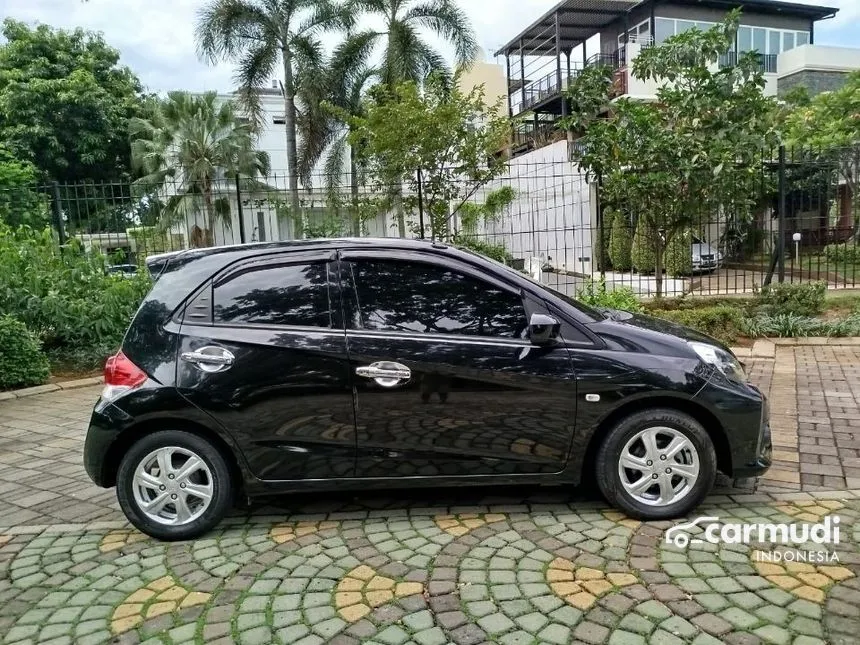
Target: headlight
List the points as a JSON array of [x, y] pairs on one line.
[[721, 359]]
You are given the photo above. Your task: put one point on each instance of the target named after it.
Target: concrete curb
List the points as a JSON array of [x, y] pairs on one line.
[[50, 387]]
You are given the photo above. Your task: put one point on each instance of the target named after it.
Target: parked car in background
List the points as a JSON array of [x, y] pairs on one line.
[[359, 364], [705, 256], [126, 270]]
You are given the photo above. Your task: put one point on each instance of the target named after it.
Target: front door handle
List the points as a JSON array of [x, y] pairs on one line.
[[385, 374], [210, 359]]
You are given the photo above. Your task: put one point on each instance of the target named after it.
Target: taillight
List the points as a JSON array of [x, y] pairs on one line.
[[121, 376]]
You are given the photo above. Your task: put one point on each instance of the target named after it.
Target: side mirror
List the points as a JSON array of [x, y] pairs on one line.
[[543, 329]]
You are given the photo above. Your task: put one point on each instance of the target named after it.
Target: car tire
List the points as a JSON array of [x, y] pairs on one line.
[[191, 515], [628, 439]]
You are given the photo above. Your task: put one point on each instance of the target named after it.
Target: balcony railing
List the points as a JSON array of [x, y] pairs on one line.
[[767, 62], [542, 89], [529, 135]]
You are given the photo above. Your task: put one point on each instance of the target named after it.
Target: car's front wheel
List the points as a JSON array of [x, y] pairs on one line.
[[174, 485], [656, 464]]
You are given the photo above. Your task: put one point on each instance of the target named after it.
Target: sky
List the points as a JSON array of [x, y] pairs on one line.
[[156, 37]]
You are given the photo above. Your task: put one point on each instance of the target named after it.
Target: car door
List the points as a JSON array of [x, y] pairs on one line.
[[262, 353], [446, 382]]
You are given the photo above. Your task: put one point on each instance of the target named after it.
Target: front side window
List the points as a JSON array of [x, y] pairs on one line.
[[393, 295], [293, 294]]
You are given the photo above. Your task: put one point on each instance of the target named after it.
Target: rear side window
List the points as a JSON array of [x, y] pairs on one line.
[[294, 294], [425, 298]]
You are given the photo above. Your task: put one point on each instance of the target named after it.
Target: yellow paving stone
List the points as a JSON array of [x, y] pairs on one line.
[[124, 624], [281, 534], [447, 523], [458, 531], [631, 524], [586, 573], [805, 503], [350, 584], [4, 539], [809, 593], [799, 567], [582, 600], [565, 589], [194, 598], [473, 523], [614, 516], [328, 524], [769, 569], [347, 598], [354, 613], [557, 575], [622, 579], [494, 517], [404, 589], [127, 609], [562, 563], [817, 580], [786, 582], [807, 517], [115, 540], [160, 608], [597, 587], [836, 573], [468, 516], [301, 531], [362, 572], [161, 584], [141, 595], [174, 593], [831, 504], [380, 582], [376, 598]]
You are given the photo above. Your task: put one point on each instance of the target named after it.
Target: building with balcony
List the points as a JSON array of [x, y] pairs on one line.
[[549, 53]]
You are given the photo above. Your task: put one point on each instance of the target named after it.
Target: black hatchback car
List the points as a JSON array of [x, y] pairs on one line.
[[384, 363]]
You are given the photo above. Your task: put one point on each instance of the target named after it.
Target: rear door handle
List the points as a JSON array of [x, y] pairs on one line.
[[210, 359], [384, 373]]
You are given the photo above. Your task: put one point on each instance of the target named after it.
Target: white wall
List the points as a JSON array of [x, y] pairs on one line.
[[552, 213], [818, 58]]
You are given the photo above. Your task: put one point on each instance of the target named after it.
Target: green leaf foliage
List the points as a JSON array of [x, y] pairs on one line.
[[65, 296], [20, 202], [604, 239], [620, 243], [65, 102], [22, 362], [803, 299], [723, 322], [644, 252], [596, 293], [679, 255]]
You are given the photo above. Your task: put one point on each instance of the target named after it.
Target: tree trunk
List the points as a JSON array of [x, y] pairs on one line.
[[292, 153], [353, 189], [208, 234], [658, 268]]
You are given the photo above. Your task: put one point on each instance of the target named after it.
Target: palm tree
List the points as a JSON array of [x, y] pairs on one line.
[[324, 132], [192, 141], [406, 56], [260, 34]]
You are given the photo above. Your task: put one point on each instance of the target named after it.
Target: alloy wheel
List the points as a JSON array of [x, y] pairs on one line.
[[173, 486], [659, 466]]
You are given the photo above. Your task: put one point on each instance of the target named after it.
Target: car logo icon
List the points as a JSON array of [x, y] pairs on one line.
[[679, 535]]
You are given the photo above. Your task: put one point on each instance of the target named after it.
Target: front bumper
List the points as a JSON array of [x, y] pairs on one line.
[[764, 452]]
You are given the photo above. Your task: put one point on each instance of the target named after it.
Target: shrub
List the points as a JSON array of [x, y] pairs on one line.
[[722, 322], [596, 294], [643, 254], [679, 254], [604, 241], [22, 362], [620, 243], [794, 326], [848, 253], [805, 299], [65, 296], [496, 252]]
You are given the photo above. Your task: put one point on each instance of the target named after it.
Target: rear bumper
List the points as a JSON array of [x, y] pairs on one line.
[[101, 436]]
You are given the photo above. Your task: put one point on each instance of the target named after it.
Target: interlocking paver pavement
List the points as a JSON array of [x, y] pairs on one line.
[[435, 567]]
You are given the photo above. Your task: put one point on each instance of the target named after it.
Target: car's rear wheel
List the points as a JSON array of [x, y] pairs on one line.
[[656, 464], [174, 485]]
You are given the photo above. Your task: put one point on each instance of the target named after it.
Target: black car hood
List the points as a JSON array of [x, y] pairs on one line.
[[650, 334]]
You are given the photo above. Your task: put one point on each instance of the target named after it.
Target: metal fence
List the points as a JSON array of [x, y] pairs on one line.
[[803, 227]]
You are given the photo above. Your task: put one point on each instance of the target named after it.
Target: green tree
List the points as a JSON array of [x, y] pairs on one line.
[[261, 34], [603, 240], [694, 152], [20, 203], [448, 138], [643, 255], [65, 102], [406, 55], [827, 126], [188, 144], [620, 243], [330, 94], [679, 256]]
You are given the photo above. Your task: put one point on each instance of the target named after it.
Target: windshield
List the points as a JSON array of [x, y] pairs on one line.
[[576, 304]]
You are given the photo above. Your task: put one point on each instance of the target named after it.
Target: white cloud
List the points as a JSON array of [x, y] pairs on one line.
[[156, 37]]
